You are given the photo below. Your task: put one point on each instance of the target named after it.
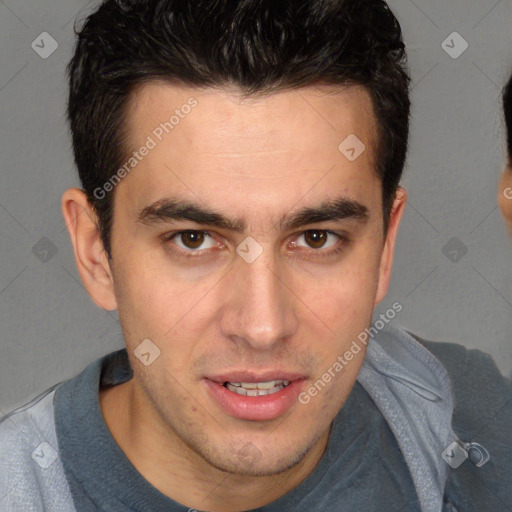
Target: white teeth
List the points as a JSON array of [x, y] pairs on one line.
[[268, 385], [249, 385], [261, 385], [257, 388]]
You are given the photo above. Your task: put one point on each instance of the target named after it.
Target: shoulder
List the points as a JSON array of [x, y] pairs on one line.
[[31, 475], [480, 392], [482, 414]]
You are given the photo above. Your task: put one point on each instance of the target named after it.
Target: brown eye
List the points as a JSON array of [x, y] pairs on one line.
[[315, 238], [190, 243], [192, 239]]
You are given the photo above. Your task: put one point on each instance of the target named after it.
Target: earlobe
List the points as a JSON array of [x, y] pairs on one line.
[[91, 259], [386, 261]]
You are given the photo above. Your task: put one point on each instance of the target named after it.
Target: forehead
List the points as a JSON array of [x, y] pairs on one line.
[[285, 142], [288, 115]]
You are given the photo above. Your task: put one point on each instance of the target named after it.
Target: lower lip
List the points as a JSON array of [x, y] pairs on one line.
[[256, 408]]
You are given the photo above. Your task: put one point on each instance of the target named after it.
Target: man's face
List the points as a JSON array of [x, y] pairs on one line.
[[282, 308]]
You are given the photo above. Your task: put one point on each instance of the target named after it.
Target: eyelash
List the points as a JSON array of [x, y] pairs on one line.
[[197, 253]]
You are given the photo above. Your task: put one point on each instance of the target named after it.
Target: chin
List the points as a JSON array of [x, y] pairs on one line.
[[247, 460], [264, 466]]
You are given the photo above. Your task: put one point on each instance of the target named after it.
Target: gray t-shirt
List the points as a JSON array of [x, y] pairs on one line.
[[361, 467]]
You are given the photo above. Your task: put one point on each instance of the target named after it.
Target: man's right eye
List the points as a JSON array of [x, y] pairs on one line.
[[190, 241]]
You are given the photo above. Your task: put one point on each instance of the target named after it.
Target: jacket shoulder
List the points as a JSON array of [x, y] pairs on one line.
[[482, 414], [482, 395], [31, 474]]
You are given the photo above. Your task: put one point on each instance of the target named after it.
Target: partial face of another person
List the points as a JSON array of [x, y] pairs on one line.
[[266, 273], [505, 196], [505, 186]]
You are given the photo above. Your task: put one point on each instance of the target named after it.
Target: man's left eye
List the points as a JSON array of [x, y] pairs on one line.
[[317, 238], [192, 240]]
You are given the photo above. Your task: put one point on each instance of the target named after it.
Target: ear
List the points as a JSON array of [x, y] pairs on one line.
[[91, 258], [386, 260]]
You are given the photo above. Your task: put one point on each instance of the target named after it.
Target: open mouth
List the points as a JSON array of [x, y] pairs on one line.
[[256, 388], [267, 397]]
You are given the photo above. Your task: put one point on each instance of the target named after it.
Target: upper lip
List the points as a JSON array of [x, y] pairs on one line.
[[255, 376]]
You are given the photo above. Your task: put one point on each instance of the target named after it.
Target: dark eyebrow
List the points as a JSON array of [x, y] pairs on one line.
[[338, 209], [176, 209]]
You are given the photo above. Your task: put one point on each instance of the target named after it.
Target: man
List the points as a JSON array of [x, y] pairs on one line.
[[240, 164], [505, 187]]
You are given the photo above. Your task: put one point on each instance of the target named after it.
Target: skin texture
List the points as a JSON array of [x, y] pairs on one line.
[[505, 197], [291, 309]]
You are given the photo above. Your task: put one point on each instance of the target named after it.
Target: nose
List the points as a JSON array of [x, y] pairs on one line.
[[260, 309]]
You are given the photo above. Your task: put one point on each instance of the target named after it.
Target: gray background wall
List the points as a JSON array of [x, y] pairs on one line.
[[50, 329]]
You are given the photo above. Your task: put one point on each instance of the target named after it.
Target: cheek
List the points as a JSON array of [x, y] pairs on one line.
[[344, 293], [340, 309], [155, 302], [144, 295]]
